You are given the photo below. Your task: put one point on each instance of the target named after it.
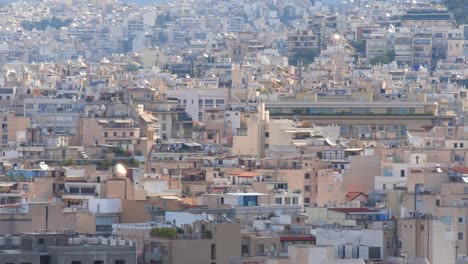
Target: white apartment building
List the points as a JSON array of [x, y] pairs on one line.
[[196, 101]]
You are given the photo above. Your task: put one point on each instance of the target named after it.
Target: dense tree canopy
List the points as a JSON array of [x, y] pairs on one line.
[[42, 24], [459, 8], [304, 56]]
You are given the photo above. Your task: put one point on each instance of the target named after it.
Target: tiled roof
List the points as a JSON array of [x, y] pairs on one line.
[[462, 170], [353, 195]]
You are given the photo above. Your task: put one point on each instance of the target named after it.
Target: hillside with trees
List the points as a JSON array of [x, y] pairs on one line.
[[459, 9]]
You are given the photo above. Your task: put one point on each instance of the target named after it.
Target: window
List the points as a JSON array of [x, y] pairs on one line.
[[307, 188], [402, 173], [306, 200], [115, 134], [25, 187], [163, 127], [390, 243], [278, 200], [76, 262], [209, 102], [446, 219], [460, 235], [261, 249], [106, 134], [245, 250], [437, 202], [461, 220], [98, 262], [267, 134], [131, 134], [120, 261], [213, 251], [295, 200], [461, 145], [455, 145], [273, 248], [41, 241], [307, 175]]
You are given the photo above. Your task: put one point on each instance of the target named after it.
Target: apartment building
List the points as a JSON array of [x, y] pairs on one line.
[[203, 242], [428, 18], [13, 128], [302, 39], [358, 119], [117, 132], [196, 101], [65, 247]]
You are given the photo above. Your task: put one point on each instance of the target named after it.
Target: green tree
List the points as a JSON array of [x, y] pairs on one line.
[[390, 54], [42, 24], [164, 232], [459, 9], [359, 47], [304, 56], [382, 59], [69, 162]]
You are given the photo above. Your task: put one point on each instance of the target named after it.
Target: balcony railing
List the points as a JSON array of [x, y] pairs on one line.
[[153, 256]]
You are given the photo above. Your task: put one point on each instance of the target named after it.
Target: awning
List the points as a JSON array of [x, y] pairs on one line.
[[170, 197], [7, 184]]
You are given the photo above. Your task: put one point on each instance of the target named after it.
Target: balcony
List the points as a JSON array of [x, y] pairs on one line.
[[153, 256]]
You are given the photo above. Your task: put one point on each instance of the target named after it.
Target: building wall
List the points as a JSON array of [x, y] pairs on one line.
[[228, 241], [23, 257], [360, 177], [427, 239], [85, 223], [331, 190], [91, 254], [134, 212], [16, 124], [252, 143], [254, 242], [120, 189], [190, 251], [36, 219]]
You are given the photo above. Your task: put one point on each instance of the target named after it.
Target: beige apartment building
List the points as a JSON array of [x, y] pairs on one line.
[[118, 132], [261, 133], [13, 128], [207, 242], [426, 238]]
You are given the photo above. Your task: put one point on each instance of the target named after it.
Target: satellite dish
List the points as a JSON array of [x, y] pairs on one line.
[[165, 171], [210, 217]]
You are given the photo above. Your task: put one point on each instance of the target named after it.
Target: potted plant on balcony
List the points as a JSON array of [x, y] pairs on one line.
[[164, 232]]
